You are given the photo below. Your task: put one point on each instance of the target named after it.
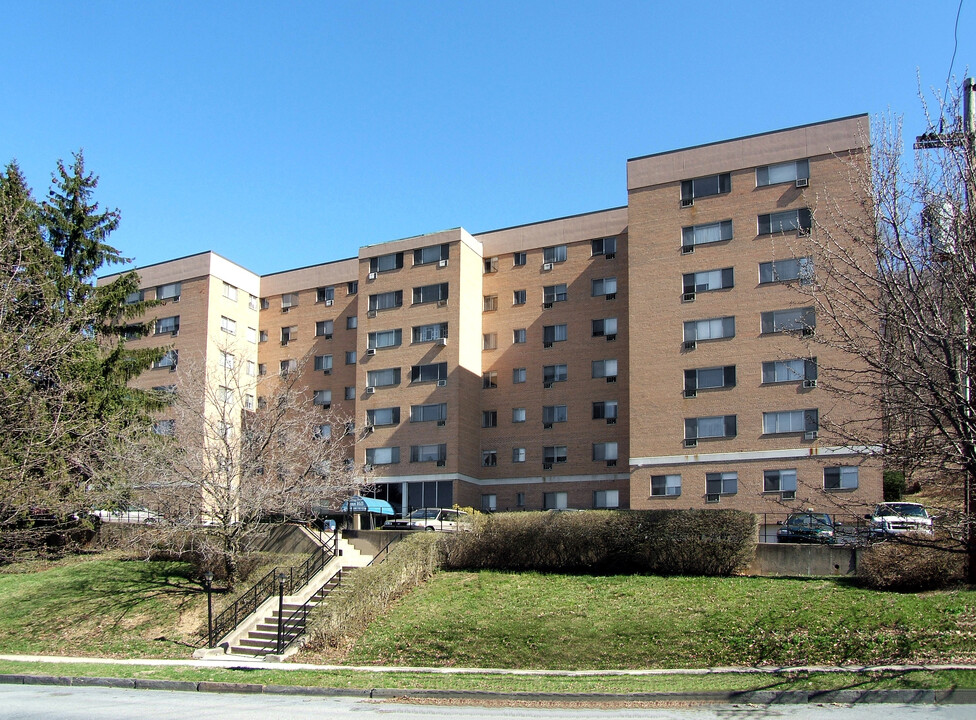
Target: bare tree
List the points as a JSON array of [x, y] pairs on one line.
[[233, 450], [895, 289]]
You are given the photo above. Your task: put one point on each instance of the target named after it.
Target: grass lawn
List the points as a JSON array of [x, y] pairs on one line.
[[530, 620]]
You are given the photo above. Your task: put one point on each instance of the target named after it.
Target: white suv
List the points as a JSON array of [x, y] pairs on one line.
[[900, 518]]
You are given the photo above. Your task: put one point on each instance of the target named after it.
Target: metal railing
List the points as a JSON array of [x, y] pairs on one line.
[[849, 529], [291, 579], [293, 626]]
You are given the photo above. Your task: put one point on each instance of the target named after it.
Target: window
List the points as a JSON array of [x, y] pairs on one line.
[[287, 366], [384, 338], [518, 259], [325, 294], [518, 336], [350, 357], [554, 254], [265, 303], [322, 432], [324, 328], [785, 221], [490, 303], [489, 503], [350, 392], [603, 246], [554, 373], [705, 234], [382, 456], [777, 321], [708, 280], [428, 413], [709, 379], [134, 297], [665, 485], [385, 263], [491, 265], [428, 373], [553, 334], [843, 477], [489, 458], [489, 341], [168, 360], [777, 371], [352, 322], [783, 172], [226, 360], [489, 380], [252, 335], [323, 398], [262, 369], [132, 332], [605, 451], [710, 329], [518, 376], [553, 414], [263, 336], [228, 326], [352, 287], [605, 369], [518, 297], [164, 427], [431, 254], [428, 453], [553, 454], [785, 270], [603, 286], [248, 402], [289, 300], [252, 302], [553, 294], [605, 327], [430, 293], [225, 395], [251, 368], [606, 498], [168, 325], [386, 301], [230, 292], [169, 292], [704, 187], [429, 333], [288, 334], [489, 418], [719, 426], [605, 409], [383, 416], [721, 483], [555, 500], [781, 481], [518, 456], [518, 415], [323, 363], [790, 421], [520, 497], [383, 378]]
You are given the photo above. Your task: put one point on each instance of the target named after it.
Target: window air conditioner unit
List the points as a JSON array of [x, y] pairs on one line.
[[326, 406], [712, 497], [175, 333], [370, 389], [611, 421], [284, 342], [611, 463], [367, 468], [611, 337], [441, 341], [371, 351], [802, 232], [611, 378], [546, 305], [371, 276], [687, 249], [691, 393], [442, 463], [547, 345], [691, 442], [442, 383], [809, 383], [802, 182], [610, 256], [442, 263], [611, 296], [691, 344], [807, 332], [687, 202], [688, 297], [547, 384], [811, 435], [367, 429], [370, 313], [546, 267], [327, 336], [547, 466], [442, 303], [547, 426], [327, 371], [286, 308], [441, 423], [328, 303], [788, 495]]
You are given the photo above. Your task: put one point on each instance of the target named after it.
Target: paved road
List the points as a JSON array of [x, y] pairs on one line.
[[20, 702]]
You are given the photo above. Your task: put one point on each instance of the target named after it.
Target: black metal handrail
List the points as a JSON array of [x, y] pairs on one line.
[[292, 578], [385, 550], [294, 625]]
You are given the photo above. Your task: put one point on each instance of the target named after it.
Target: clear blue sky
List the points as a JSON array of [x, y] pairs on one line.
[[287, 134]]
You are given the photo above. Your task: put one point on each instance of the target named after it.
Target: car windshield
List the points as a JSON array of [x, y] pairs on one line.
[[903, 509], [808, 520], [424, 514]]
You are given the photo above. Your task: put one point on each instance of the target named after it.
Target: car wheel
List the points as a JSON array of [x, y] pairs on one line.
[[430, 529]]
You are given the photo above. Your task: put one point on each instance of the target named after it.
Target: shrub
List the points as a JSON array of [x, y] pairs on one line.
[[666, 542], [912, 564], [893, 484]]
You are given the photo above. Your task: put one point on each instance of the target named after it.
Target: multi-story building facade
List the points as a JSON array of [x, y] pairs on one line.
[[659, 354]]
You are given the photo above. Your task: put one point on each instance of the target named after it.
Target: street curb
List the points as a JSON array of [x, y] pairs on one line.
[[746, 697]]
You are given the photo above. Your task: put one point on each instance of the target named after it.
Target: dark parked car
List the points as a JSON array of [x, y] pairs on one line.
[[806, 527]]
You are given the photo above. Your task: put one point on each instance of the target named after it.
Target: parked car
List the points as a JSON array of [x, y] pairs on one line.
[[900, 518], [429, 519], [806, 527], [131, 514]]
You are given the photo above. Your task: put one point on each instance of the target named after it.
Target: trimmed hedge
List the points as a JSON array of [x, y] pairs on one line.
[[661, 542]]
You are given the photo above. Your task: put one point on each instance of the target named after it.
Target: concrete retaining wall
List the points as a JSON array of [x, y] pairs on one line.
[[789, 560]]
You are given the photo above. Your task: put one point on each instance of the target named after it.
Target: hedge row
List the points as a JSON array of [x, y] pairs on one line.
[[662, 542]]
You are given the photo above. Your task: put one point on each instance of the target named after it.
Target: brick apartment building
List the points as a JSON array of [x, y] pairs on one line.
[[656, 355]]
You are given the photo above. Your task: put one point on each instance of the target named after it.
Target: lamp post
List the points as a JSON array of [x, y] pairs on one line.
[[281, 610], [208, 586]]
